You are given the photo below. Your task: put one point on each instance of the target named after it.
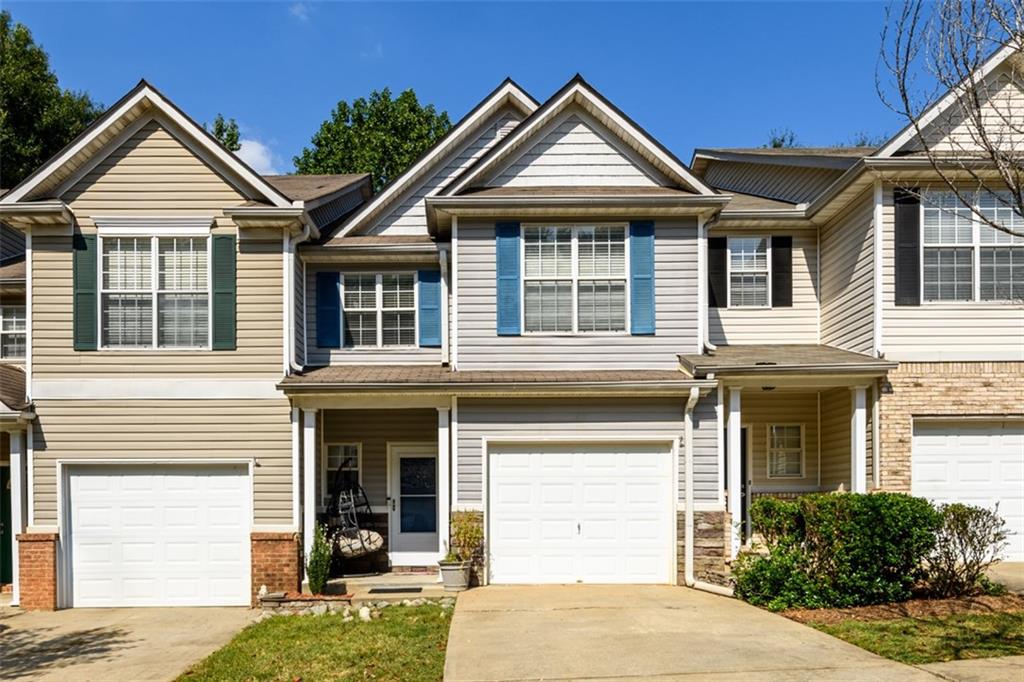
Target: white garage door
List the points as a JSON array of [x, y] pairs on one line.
[[581, 513], [979, 463], [144, 535]]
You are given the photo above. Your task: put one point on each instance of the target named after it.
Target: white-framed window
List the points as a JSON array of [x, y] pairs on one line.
[[348, 457], [154, 292], [962, 258], [749, 272], [575, 279], [12, 332], [785, 451], [379, 309]]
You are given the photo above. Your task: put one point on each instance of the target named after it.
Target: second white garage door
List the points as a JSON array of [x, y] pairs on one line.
[[586, 513], [149, 535]]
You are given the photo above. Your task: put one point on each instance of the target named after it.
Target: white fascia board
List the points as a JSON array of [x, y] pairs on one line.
[[902, 138], [508, 92], [172, 113]]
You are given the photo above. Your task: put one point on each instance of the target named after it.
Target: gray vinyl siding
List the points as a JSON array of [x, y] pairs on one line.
[[793, 184], [480, 347], [601, 420], [316, 356], [12, 243], [847, 278]]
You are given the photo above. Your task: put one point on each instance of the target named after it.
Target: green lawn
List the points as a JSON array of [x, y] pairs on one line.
[[405, 643], [929, 640]]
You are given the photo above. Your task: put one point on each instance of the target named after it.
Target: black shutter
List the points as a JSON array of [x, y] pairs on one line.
[[908, 247], [718, 272], [782, 272]]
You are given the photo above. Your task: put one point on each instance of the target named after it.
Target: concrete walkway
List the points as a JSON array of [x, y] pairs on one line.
[[112, 644], [1006, 669], [583, 632]]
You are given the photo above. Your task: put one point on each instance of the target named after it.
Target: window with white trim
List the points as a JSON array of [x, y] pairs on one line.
[[161, 302], [575, 278], [785, 451], [748, 272], [346, 457], [380, 309], [963, 258], [12, 332]]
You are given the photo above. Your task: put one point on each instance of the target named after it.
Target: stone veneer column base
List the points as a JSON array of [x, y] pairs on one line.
[[711, 545], [276, 563], [37, 565]]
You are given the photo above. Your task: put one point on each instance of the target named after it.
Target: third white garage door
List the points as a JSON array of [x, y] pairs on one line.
[[590, 513], [980, 463]]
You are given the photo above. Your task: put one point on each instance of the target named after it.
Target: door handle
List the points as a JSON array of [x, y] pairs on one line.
[[577, 528], [392, 504]]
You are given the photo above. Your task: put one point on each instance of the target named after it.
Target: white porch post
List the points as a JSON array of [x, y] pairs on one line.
[[17, 508], [309, 442], [296, 422], [858, 440], [734, 450], [443, 478]]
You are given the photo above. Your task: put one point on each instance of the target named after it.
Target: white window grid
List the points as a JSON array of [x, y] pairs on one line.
[[574, 278], [328, 465], [378, 309], [766, 270], [982, 237], [772, 451], [153, 291], [12, 326]]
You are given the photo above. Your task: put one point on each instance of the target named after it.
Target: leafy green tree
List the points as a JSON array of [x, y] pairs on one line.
[[377, 135], [37, 117], [781, 138], [226, 131]]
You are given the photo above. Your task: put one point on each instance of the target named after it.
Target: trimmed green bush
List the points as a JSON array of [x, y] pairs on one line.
[[837, 550], [318, 566]]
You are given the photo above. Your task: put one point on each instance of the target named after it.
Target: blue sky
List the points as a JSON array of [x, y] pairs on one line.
[[692, 74]]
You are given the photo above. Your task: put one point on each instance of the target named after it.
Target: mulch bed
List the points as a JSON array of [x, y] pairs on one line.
[[915, 608]]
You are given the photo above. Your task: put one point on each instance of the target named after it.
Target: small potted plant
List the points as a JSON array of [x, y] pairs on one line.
[[467, 537]]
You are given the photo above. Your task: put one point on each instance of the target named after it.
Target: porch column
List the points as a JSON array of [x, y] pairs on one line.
[[734, 450], [309, 448], [858, 440], [443, 478], [17, 508]]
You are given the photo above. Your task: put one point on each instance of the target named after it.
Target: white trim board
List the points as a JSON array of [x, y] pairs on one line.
[[156, 388]]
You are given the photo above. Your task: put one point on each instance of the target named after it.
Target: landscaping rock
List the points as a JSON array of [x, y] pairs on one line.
[[319, 609], [364, 614]]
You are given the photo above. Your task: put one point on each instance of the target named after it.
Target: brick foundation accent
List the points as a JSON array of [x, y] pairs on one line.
[[956, 389], [37, 564], [276, 563], [711, 544]]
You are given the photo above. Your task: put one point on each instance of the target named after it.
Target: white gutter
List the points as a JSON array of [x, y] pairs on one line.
[[688, 499], [289, 302]]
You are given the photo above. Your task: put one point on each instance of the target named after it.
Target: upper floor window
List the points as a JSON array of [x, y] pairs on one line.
[[575, 278], [785, 451], [380, 309], [154, 292], [964, 259], [748, 272], [12, 332]]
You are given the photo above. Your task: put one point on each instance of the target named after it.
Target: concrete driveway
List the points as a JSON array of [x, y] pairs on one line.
[[582, 632], [112, 644]]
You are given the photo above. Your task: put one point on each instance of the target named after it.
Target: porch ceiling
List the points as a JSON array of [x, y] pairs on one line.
[[764, 362]]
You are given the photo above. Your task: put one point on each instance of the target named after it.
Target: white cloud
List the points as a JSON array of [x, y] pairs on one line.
[[258, 156], [300, 10], [372, 52]]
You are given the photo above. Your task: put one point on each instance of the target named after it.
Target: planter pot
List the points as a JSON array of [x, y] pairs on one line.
[[455, 575]]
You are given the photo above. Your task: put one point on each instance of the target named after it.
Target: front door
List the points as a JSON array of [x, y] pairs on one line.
[[412, 505]]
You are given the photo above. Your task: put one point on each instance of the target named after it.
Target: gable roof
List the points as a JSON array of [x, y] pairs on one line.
[[578, 92], [137, 105], [507, 92]]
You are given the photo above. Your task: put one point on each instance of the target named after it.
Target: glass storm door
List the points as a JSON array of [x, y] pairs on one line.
[[412, 505]]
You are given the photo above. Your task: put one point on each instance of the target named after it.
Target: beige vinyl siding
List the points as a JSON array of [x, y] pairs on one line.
[[836, 406], [588, 419], [796, 324], [316, 356], [259, 322], [409, 215], [572, 151], [167, 430], [784, 183], [847, 278], [373, 430], [759, 410], [968, 331], [480, 347]]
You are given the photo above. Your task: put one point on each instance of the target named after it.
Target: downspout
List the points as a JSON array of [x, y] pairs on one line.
[[691, 402], [704, 314], [292, 243]]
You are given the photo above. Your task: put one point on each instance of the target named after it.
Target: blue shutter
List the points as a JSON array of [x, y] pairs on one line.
[[641, 276], [430, 308], [328, 310], [507, 255]]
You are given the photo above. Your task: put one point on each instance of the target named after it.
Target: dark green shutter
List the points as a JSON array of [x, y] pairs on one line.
[[224, 292], [782, 271], [84, 267]]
